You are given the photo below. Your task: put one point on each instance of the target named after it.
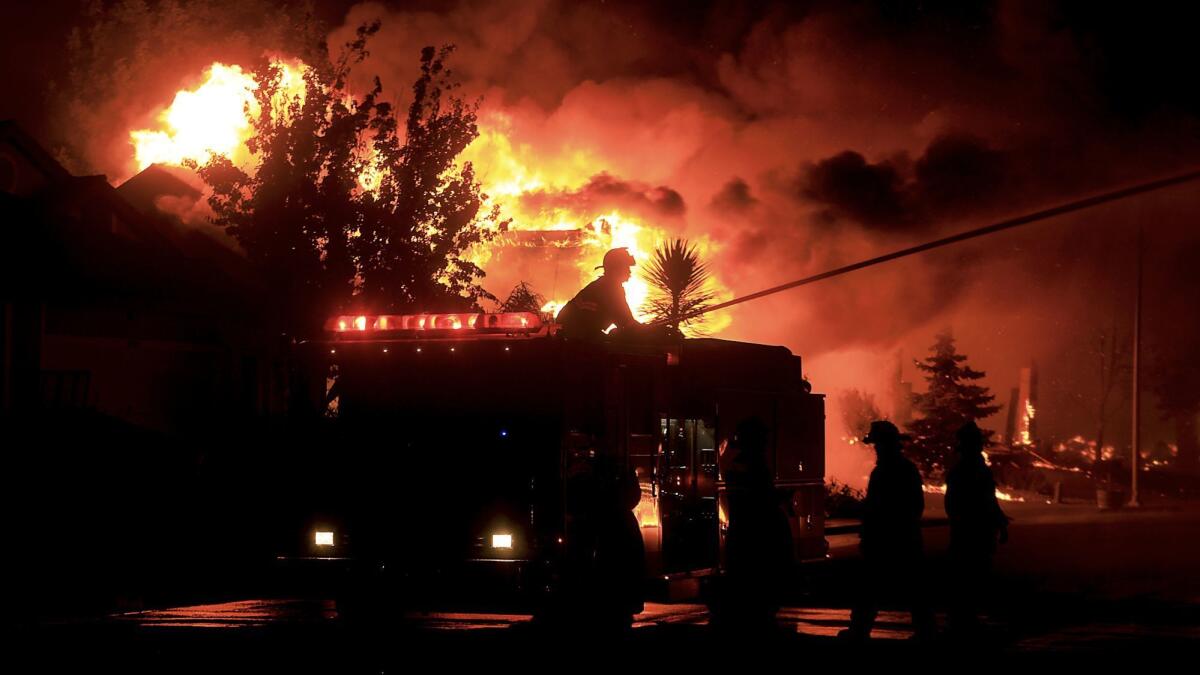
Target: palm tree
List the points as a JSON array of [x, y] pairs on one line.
[[679, 284]]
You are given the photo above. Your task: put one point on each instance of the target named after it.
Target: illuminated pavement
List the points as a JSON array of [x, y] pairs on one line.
[[306, 635], [818, 623], [1071, 582], [261, 613]]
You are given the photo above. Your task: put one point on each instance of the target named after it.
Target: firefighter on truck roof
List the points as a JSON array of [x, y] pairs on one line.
[[601, 303]]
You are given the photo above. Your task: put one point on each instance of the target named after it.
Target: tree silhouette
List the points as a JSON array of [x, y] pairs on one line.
[[950, 401], [858, 411], [348, 207], [1172, 369], [678, 281], [1173, 375], [523, 299]]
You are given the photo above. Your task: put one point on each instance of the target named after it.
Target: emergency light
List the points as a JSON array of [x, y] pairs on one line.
[[504, 322]]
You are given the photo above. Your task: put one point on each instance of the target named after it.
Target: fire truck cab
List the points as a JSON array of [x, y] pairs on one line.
[[444, 451]]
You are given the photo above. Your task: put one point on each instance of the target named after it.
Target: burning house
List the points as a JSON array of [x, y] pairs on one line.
[[1021, 428]]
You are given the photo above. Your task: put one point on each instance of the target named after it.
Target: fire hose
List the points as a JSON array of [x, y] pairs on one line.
[[1061, 209]]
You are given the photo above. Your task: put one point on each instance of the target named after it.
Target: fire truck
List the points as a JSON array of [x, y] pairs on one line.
[[443, 451]]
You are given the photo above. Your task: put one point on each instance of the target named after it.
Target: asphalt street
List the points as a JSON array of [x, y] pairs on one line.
[[1072, 582]]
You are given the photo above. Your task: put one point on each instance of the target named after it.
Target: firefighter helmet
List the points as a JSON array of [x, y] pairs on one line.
[[971, 437], [618, 257], [883, 431]]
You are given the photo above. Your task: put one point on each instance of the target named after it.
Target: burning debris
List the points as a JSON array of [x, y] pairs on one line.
[[1002, 495]]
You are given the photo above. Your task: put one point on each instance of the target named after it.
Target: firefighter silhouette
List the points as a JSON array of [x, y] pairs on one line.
[[758, 544], [890, 539], [605, 555], [620, 553], [976, 523], [601, 303]]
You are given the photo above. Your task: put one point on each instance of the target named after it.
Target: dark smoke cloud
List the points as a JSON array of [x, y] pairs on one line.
[[957, 175], [849, 186], [735, 197]]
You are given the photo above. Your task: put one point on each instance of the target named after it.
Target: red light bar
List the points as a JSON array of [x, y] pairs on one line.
[[505, 322]]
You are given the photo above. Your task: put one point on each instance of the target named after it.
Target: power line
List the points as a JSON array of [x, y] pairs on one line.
[[1036, 216]]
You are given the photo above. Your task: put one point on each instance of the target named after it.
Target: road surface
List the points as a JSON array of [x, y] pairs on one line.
[[1072, 582]]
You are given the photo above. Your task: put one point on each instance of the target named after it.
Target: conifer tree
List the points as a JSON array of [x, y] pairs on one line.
[[952, 398]]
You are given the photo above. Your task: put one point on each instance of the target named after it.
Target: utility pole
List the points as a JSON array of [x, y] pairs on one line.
[[1136, 440]]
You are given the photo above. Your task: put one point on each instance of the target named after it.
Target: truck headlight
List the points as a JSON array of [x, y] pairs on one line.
[[323, 538], [502, 541]]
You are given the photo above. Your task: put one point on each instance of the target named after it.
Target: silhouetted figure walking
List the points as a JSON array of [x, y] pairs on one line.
[[891, 538], [976, 522], [758, 544]]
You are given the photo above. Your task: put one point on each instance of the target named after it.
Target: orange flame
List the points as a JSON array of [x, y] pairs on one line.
[[509, 170], [938, 489], [214, 118], [646, 510]]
